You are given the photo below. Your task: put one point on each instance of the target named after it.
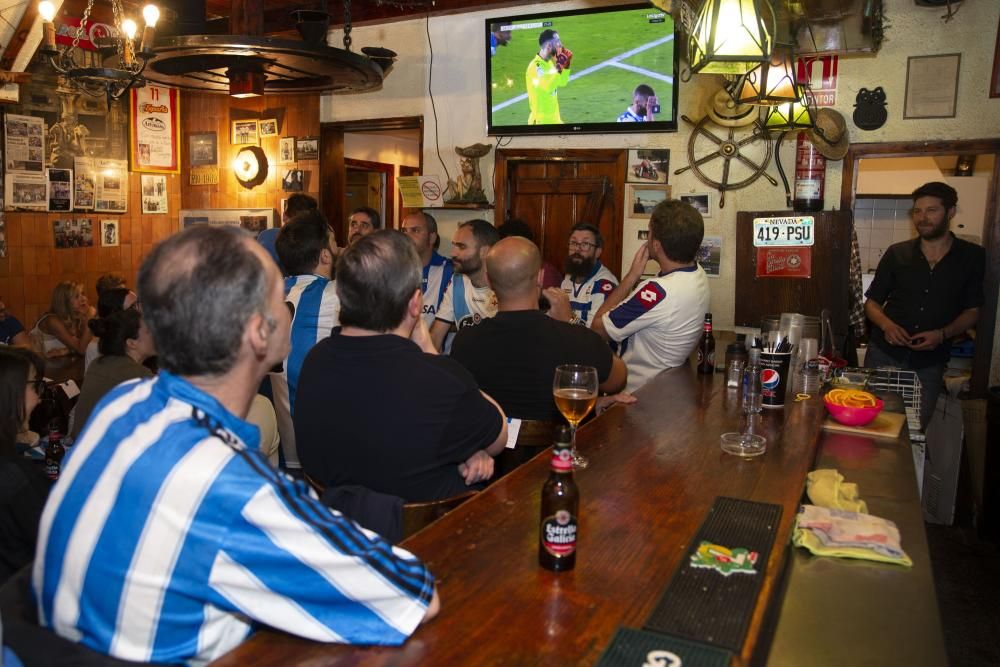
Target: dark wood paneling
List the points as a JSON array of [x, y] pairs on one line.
[[297, 115], [33, 266], [827, 288]]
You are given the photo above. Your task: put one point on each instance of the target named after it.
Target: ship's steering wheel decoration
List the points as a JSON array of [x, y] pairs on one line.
[[743, 146]]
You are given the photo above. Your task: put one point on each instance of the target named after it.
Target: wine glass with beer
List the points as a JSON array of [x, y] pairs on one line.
[[574, 388]]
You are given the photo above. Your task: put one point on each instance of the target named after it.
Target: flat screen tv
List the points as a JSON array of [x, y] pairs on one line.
[[619, 55]]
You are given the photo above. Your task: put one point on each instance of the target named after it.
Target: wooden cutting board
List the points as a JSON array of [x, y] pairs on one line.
[[886, 425]]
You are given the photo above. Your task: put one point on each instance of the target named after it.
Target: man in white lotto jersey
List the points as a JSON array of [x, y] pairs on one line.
[[422, 229], [468, 299], [661, 319], [306, 248], [587, 281]]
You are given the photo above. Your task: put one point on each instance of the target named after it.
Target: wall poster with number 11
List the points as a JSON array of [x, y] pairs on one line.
[[154, 139]]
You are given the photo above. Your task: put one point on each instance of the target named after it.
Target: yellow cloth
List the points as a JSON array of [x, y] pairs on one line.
[[827, 488], [543, 80]]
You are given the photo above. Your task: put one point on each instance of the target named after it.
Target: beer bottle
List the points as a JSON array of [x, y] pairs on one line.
[[706, 348], [54, 451], [560, 508]]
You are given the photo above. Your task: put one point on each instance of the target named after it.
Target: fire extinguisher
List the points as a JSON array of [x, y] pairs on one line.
[[810, 176]]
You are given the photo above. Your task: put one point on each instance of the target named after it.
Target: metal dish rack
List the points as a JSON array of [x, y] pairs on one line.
[[906, 384]]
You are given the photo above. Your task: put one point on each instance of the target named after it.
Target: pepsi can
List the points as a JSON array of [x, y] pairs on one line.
[[774, 378]]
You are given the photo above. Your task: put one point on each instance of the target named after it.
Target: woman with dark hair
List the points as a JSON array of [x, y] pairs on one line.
[[110, 300], [124, 343], [23, 485]]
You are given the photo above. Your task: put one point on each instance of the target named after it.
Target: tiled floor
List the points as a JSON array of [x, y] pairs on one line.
[[967, 579], [880, 223]]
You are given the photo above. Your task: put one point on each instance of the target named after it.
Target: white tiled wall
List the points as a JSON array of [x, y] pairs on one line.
[[880, 223]]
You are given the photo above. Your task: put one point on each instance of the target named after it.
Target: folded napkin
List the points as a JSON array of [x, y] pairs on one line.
[[827, 488], [831, 532]]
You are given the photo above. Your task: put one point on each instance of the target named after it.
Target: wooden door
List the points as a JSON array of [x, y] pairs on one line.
[[553, 190]]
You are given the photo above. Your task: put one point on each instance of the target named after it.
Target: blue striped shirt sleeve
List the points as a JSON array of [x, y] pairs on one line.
[[293, 564]]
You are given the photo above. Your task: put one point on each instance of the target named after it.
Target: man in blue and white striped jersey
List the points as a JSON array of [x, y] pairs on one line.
[[422, 229], [306, 247], [168, 536]]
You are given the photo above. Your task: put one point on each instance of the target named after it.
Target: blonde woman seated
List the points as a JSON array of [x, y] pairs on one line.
[[63, 329]]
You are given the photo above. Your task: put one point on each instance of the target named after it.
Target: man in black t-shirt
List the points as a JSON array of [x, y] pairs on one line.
[[925, 292], [376, 406], [513, 356]]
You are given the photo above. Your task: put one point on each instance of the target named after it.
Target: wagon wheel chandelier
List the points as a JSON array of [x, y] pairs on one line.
[[108, 82]]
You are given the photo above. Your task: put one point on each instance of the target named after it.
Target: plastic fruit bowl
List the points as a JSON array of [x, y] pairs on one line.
[[849, 416]]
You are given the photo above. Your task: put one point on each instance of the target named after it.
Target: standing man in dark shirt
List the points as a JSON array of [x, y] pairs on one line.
[[513, 356], [376, 406], [925, 292]]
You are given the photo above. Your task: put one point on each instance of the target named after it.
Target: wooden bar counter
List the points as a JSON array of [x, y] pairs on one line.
[[655, 469]]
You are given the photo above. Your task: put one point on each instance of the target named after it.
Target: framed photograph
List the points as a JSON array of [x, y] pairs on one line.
[[268, 127], [286, 150], [154, 194], [60, 192], [710, 256], [78, 233], [245, 132], [647, 165], [109, 233], [642, 199], [306, 148], [293, 180], [701, 201], [932, 86], [155, 139], [204, 149], [248, 218]]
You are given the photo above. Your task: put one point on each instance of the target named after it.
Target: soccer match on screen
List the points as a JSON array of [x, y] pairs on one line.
[[602, 67]]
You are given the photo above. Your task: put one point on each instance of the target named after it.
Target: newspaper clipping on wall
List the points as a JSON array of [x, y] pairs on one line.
[[84, 183], [111, 185], [24, 143]]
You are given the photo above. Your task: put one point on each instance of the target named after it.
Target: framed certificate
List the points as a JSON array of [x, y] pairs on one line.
[[932, 86]]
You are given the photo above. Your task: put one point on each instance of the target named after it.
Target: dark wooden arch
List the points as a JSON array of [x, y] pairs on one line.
[[991, 229], [333, 170]]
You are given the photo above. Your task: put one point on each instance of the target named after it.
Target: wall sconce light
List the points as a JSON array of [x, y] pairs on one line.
[[798, 115], [966, 165], [250, 166], [730, 36], [769, 83]]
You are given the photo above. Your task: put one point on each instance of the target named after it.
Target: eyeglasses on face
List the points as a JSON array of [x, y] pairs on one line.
[[37, 385], [582, 245]]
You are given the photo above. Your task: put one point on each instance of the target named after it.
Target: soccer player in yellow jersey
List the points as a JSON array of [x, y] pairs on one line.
[[547, 72]]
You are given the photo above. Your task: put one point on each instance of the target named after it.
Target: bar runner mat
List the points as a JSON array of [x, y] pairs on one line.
[[638, 648], [712, 594]]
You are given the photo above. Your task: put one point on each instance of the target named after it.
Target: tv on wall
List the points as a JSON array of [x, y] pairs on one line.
[[608, 69]]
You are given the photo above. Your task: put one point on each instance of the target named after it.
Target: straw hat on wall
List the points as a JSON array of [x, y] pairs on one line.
[[726, 112], [829, 134]]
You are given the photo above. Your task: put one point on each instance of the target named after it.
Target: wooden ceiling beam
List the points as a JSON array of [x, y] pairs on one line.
[[279, 19]]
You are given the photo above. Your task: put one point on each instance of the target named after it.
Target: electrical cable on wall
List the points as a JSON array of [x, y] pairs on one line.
[[500, 143], [430, 94]]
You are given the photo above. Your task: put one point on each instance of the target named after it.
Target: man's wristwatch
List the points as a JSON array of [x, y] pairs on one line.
[[575, 319]]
